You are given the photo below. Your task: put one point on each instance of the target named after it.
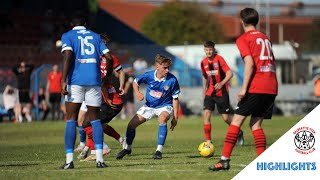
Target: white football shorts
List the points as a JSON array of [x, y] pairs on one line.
[[148, 112], [83, 107], [91, 95]]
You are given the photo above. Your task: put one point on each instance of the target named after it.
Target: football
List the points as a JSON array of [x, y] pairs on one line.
[[206, 151]]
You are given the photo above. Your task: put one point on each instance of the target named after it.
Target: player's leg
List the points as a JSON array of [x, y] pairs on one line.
[[208, 107], [27, 111], [131, 132], [223, 106], [266, 102], [229, 143], [17, 112], [45, 109], [73, 103], [70, 133], [81, 117], [93, 102], [164, 115], [258, 134], [52, 105], [57, 101], [107, 114], [246, 107]]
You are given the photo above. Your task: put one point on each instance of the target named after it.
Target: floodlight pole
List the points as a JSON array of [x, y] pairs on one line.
[[267, 18]]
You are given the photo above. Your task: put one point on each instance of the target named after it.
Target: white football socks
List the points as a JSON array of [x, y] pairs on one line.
[[159, 148], [69, 158]]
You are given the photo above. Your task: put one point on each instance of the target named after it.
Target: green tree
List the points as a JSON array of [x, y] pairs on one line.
[[312, 37], [180, 22]]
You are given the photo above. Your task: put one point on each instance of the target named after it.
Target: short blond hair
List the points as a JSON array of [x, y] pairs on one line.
[[160, 59]]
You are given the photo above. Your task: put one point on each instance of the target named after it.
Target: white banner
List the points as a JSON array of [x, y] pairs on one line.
[[295, 155]]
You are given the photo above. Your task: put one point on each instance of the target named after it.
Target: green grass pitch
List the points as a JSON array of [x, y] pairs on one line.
[[36, 150]]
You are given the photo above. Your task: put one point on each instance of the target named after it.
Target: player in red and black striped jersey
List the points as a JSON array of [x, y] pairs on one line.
[[259, 88], [110, 107], [215, 77]]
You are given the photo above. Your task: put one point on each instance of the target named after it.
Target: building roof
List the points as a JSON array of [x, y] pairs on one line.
[[130, 13], [294, 27]]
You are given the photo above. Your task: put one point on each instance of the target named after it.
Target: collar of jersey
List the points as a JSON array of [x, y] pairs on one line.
[[156, 79], [78, 28]]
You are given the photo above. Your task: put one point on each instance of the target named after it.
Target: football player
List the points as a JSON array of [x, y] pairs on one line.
[[259, 88], [111, 106], [81, 81], [215, 77], [162, 92]]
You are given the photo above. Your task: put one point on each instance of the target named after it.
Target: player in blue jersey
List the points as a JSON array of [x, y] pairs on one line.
[[81, 81], [162, 91]]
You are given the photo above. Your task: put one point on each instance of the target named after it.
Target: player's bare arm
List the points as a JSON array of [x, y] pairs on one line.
[[121, 80], [229, 75], [137, 92], [248, 71], [174, 120], [68, 60], [204, 86]]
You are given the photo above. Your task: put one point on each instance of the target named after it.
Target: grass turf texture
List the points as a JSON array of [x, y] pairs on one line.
[[36, 150]]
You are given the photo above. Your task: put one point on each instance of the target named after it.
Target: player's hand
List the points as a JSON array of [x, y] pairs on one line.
[[241, 95], [140, 96], [121, 92], [109, 101], [217, 86], [174, 122], [64, 88]]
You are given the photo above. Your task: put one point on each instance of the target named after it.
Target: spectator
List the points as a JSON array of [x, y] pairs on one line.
[[316, 81], [11, 102], [140, 65], [301, 80], [41, 102], [53, 91], [23, 73]]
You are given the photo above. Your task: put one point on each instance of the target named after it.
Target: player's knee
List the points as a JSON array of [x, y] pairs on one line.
[[86, 124], [255, 123]]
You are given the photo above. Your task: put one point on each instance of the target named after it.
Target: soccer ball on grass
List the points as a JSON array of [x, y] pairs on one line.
[[205, 150]]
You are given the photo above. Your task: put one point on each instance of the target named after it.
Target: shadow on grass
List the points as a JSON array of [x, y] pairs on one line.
[[18, 165]]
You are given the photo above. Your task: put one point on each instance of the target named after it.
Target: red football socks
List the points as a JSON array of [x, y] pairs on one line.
[[89, 142], [259, 140], [207, 131], [230, 140], [108, 130]]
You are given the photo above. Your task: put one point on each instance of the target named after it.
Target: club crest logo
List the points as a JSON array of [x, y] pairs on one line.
[[166, 88], [304, 140]]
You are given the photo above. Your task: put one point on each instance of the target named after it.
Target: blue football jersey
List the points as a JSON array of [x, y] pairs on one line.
[[159, 92], [87, 47]]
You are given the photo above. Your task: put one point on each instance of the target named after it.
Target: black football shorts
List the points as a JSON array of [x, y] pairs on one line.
[[223, 104], [256, 105]]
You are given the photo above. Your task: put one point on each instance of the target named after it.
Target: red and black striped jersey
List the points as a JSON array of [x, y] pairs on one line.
[[103, 66], [258, 46], [113, 95], [215, 71]]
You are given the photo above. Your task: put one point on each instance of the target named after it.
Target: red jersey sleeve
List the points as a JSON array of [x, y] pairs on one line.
[[115, 61], [243, 47], [204, 74]]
